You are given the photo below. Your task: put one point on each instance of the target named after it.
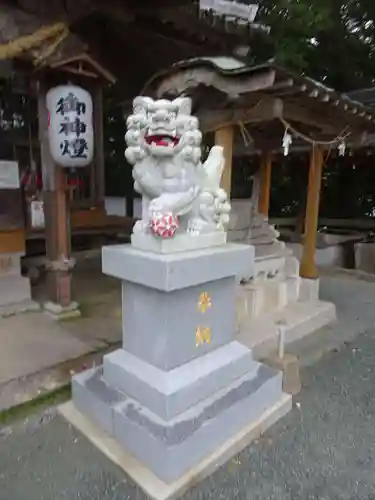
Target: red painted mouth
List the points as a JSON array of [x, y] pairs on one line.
[[164, 141]]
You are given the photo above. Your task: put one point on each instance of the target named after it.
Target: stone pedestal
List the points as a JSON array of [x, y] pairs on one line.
[[182, 386], [309, 289], [15, 290], [60, 313]]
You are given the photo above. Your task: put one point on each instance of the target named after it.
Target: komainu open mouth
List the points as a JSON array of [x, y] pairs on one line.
[[162, 140]]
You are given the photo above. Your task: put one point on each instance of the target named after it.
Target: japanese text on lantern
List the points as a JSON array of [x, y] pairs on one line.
[[203, 334], [75, 147]]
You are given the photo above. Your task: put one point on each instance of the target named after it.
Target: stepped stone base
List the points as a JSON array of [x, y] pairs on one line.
[[170, 393], [155, 488], [171, 447]]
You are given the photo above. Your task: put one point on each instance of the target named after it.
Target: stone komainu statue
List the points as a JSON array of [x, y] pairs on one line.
[[164, 146]]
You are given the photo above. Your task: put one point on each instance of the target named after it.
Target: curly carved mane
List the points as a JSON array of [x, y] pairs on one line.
[[186, 125]]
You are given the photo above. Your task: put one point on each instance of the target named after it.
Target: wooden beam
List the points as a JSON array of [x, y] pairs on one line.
[[265, 110], [224, 138], [78, 71], [66, 64], [312, 118], [308, 267], [265, 184]]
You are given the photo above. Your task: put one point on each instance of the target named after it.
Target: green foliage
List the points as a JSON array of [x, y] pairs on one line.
[[334, 42], [327, 39]]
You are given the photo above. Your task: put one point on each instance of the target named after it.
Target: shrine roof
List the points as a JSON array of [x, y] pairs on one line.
[[264, 101], [365, 96], [122, 37], [237, 85]]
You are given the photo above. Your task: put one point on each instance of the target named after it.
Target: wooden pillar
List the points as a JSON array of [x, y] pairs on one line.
[[224, 138], [56, 215], [99, 169], [265, 184], [308, 267]]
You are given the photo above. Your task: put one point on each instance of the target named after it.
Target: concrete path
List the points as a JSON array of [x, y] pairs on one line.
[[32, 342], [324, 449], [38, 354]]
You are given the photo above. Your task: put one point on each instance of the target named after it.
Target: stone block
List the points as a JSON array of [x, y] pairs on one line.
[[169, 393], [309, 290], [364, 255], [93, 397], [293, 289], [14, 289], [169, 329], [289, 365], [268, 265], [171, 448], [169, 272], [60, 313], [292, 267], [240, 216], [276, 295], [10, 264], [254, 298]]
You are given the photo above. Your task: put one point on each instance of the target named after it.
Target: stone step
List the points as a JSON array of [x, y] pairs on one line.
[[169, 393], [299, 320]]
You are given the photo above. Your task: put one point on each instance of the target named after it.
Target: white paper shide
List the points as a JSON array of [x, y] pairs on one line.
[[70, 126]]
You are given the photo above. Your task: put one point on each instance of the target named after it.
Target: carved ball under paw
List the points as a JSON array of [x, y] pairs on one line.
[[164, 225]]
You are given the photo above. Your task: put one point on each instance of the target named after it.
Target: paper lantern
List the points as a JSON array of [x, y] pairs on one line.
[[70, 127], [164, 225]]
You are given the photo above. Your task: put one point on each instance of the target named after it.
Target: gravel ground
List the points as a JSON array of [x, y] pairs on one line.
[[324, 449]]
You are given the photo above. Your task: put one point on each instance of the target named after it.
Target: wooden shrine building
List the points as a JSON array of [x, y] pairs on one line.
[[266, 109]]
